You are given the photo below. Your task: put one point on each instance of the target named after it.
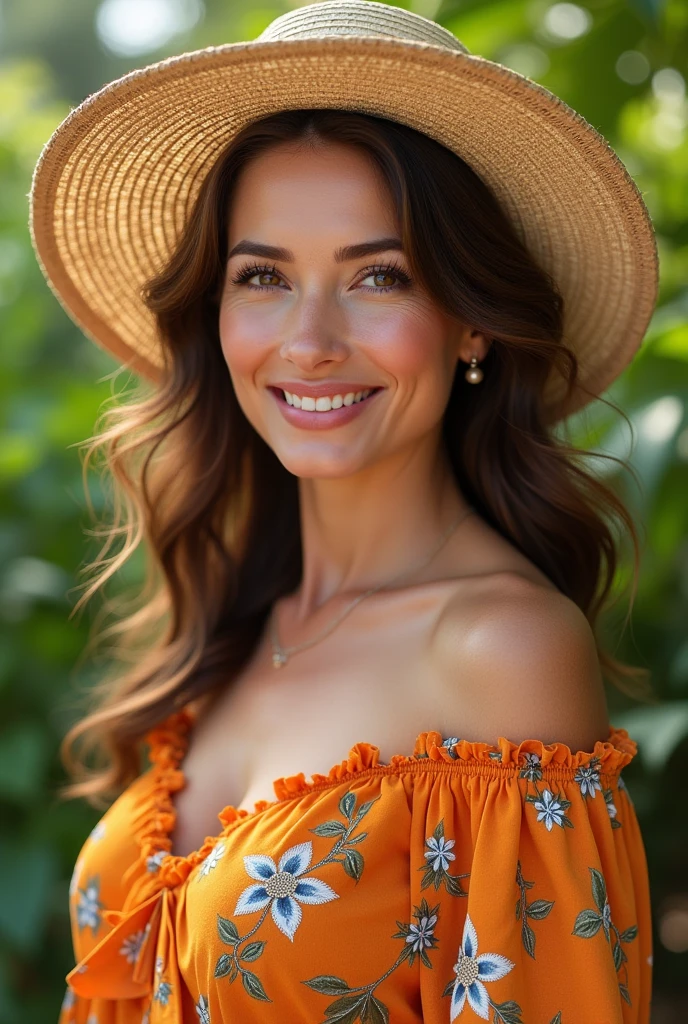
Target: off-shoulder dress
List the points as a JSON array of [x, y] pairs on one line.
[[462, 882]]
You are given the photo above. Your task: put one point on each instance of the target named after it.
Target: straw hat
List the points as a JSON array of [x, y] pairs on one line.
[[116, 180]]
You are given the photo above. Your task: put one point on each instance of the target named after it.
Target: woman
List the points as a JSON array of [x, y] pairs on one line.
[[358, 363]]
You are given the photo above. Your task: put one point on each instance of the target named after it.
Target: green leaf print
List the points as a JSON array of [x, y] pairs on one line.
[[342, 853], [376, 1012], [358, 1002], [223, 966], [599, 889], [506, 1013], [353, 864], [589, 922], [329, 829], [253, 951], [228, 930], [328, 985], [346, 1005], [347, 804], [438, 856], [278, 889], [254, 986], [537, 910]]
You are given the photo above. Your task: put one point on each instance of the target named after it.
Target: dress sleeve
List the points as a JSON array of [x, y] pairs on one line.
[[530, 885]]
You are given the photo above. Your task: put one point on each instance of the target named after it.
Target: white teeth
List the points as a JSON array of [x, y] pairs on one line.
[[326, 402]]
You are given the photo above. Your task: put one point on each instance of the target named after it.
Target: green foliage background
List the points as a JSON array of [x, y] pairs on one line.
[[53, 381]]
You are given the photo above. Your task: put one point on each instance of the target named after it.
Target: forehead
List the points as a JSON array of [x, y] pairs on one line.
[[297, 191]]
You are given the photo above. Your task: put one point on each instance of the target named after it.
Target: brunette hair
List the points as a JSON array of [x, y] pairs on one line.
[[217, 510]]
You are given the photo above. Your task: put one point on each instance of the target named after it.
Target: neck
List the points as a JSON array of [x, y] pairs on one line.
[[362, 530]]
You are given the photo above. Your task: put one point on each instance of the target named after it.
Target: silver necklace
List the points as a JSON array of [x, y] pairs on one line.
[[280, 655]]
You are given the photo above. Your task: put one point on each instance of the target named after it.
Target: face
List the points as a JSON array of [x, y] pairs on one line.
[[338, 359]]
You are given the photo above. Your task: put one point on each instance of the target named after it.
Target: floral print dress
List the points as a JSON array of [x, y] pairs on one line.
[[462, 882]]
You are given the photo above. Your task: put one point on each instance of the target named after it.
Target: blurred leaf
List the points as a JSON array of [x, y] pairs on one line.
[[486, 28], [657, 730], [651, 10], [28, 872], [18, 454], [23, 761]]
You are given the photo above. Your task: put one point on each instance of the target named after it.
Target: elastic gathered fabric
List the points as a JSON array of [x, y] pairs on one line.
[[460, 882]]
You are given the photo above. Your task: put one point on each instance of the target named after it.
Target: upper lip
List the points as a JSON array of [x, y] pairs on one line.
[[321, 389]]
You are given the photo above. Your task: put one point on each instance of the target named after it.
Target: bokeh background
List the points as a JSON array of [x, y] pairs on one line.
[[623, 65]]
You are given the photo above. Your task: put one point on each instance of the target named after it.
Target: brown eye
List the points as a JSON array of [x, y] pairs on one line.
[[394, 272], [377, 277], [244, 275]]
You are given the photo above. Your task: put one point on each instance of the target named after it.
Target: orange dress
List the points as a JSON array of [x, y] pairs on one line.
[[464, 881]]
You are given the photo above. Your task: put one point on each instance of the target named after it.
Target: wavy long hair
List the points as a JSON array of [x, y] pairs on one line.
[[215, 513]]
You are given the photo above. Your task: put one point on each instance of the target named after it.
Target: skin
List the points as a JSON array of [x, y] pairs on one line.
[[479, 643]]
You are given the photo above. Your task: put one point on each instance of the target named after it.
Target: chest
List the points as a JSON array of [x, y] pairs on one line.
[[372, 682]]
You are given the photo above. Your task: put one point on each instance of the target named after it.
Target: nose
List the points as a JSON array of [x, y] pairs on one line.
[[312, 336]]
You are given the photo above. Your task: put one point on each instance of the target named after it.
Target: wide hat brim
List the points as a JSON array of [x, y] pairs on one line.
[[114, 184]]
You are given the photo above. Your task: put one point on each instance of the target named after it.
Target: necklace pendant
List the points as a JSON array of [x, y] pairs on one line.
[[278, 659]]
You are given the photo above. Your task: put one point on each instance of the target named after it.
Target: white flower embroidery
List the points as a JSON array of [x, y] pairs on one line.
[[284, 887], [611, 807], [588, 778], [211, 860], [450, 743], [471, 971], [159, 964], [92, 1019], [162, 992], [550, 809], [155, 860], [202, 1010], [97, 832], [421, 934], [131, 947], [606, 918], [89, 906], [533, 767], [438, 852]]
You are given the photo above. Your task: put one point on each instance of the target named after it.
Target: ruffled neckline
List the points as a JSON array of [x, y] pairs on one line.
[[168, 743]]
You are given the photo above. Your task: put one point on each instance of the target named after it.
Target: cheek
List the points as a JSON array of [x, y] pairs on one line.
[[245, 350], [414, 349], [244, 339]]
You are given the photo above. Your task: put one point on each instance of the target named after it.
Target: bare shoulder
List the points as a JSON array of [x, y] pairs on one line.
[[523, 657]]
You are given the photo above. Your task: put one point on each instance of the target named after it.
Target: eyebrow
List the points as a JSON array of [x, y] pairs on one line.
[[342, 255]]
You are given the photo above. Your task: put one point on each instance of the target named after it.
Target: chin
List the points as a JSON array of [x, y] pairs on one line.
[[324, 467]]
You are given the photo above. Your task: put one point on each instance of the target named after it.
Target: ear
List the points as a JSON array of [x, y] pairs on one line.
[[472, 342]]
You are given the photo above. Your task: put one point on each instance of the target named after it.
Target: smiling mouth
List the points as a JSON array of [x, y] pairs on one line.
[[325, 403]]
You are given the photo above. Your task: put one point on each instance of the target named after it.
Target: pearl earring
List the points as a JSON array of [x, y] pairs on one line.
[[474, 374]]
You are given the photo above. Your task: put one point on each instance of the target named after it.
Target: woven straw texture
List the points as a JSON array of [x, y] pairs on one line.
[[115, 183]]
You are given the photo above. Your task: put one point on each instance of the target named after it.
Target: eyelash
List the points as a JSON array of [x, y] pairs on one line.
[[249, 271]]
